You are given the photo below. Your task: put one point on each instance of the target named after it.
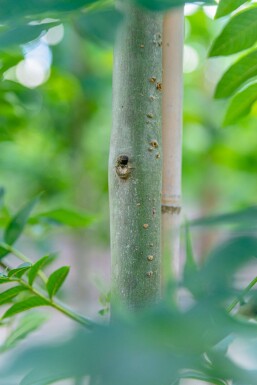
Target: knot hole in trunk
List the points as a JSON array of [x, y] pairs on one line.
[[123, 168]]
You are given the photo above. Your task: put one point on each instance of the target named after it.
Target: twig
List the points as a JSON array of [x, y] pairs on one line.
[[242, 295]]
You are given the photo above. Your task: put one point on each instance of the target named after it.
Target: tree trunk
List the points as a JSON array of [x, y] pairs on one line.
[[173, 42], [135, 164]]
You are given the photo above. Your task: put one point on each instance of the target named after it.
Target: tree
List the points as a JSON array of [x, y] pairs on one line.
[[173, 344], [135, 159]]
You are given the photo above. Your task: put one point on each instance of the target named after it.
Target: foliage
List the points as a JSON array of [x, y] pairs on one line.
[[238, 82], [162, 5], [162, 344], [166, 343], [25, 293]]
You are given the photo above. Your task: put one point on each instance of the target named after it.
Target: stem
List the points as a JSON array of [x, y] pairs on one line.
[[23, 258], [58, 306], [135, 159], [4, 266], [173, 41], [242, 295]]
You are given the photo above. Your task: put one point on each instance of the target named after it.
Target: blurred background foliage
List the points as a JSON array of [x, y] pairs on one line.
[[56, 118]]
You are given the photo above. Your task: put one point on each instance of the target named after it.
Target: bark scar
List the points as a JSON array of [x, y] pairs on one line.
[[171, 209], [122, 166]]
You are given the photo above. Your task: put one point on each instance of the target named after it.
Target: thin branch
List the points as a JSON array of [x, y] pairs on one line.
[[53, 303], [4, 266], [242, 295], [23, 258]]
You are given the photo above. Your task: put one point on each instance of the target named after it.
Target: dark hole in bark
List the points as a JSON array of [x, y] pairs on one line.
[[123, 160]]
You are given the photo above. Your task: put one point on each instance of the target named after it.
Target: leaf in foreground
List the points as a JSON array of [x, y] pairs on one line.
[[18, 222], [22, 306], [56, 280], [27, 324], [162, 5], [20, 270], [225, 7], [100, 26], [243, 70], [23, 34], [240, 33], [241, 104], [17, 9], [36, 267], [9, 294]]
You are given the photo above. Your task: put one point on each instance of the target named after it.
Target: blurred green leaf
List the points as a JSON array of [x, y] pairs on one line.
[[223, 262], [25, 305], [36, 267], [16, 9], [246, 218], [170, 344], [243, 70], [216, 277], [20, 270], [100, 26], [240, 33], [66, 217], [56, 280], [9, 294], [241, 104], [22, 34], [225, 7], [194, 375], [27, 324], [9, 59], [163, 5], [4, 278], [18, 222]]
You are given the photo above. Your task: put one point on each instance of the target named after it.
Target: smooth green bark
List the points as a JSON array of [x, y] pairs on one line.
[[135, 165]]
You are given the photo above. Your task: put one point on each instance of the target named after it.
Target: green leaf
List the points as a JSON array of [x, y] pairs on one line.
[[100, 26], [17, 9], [225, 7], [163, 5], [56, 280], [22, 306], [243, 70], [20, 270], [9, 294], [4, 278], [10, 59], [194, 375], [240, 33], [18, 222], [241, 104], [36, 267], [23, 34], [243, 218], [224, 261], [28, 324], [66, 217]]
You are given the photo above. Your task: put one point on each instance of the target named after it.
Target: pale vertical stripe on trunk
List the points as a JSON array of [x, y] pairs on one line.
[[173, 41]]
